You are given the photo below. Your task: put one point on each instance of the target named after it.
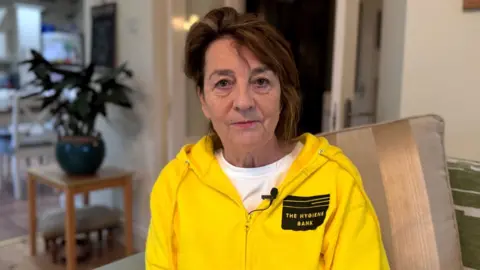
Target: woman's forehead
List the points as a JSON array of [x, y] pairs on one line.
[[226, 54]]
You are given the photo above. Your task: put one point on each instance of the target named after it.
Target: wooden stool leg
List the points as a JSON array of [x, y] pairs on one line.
[[54, 250], [47, 244], [100, 236], [100, 239], [110, 238]]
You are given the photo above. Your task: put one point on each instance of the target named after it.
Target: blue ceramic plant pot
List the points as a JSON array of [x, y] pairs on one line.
[[80, 155]]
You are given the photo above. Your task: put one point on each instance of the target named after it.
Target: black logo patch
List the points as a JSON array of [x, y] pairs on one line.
[[304, 213]]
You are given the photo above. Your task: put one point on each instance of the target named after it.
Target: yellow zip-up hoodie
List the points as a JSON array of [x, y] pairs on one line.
[[321, 218]]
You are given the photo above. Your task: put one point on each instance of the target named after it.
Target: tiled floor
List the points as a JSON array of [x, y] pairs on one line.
[[14, 213]]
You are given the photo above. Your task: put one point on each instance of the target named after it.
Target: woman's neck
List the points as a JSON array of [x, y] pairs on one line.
[[268, 153]]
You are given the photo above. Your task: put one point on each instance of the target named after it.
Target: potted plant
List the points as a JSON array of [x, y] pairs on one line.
[[76, 99]]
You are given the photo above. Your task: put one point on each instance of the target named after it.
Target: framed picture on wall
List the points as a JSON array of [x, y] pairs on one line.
[[471, 4], [104, 35]]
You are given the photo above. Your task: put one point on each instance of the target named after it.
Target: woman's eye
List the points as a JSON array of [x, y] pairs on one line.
[[223, 84], [262, 82]]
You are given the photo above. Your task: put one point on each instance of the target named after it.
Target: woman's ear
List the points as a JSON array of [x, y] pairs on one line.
[[201, 97], [199, 93]]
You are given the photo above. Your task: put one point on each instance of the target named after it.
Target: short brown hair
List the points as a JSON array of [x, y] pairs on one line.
[[268, 45]]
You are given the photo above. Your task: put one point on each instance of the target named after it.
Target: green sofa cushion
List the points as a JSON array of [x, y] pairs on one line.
[[465, 183]]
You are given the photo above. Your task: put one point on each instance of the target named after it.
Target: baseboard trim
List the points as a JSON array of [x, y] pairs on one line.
[[139, 237], [13, 240]]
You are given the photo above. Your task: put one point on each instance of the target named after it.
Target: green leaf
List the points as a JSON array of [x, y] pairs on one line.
[[37, 59], [47, 101], [123, 87], [37, 55], [46, 84], [60, 86], [65, 72], [41, 71], [31, 95], [119, 98], [114, 73], [61, 106], [73, 126], [82, 104], [88, 72], [102, 109]]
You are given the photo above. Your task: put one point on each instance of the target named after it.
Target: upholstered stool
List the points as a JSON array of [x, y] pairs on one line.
[[89, 219]]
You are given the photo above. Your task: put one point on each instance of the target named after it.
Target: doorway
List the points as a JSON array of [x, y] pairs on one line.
[[309, 27]]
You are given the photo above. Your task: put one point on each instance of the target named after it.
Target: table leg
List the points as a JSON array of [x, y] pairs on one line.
[[32, 214], [127, 199], [70, 230], [86, 198]]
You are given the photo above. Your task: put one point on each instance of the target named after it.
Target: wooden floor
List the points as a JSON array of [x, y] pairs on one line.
[[14, 255], [14, 213]]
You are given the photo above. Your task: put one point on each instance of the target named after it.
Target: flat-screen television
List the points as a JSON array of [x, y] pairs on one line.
[[62, 48]]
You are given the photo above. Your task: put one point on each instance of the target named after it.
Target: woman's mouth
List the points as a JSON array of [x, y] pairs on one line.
[[245, 124]]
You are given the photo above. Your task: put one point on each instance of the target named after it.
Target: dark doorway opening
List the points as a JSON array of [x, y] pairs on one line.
[[309, 26]]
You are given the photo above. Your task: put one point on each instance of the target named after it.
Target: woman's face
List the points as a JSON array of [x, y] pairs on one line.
[[241, 95]]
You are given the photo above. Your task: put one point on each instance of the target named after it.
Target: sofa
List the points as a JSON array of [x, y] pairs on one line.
[[404, 171]]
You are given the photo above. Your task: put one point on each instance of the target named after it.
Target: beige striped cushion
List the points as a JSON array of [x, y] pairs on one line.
[[404, 172]]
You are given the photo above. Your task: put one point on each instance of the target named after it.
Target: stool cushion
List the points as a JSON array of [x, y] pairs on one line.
[[90, 218]]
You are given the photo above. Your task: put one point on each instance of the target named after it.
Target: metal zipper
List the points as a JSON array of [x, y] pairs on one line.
[[247, 229]]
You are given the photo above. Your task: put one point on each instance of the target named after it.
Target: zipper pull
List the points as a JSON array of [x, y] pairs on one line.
[[249, 219]]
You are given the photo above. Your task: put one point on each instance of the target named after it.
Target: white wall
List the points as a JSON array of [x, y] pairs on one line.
[[391, 60], [137, 141], [431, 64]]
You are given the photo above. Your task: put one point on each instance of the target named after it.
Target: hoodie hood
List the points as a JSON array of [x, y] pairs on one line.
[[200, 157]]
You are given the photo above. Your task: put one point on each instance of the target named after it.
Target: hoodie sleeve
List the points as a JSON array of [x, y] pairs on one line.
[[352, 237], [159, 252]]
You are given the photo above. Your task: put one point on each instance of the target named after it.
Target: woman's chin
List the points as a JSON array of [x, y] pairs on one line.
[[249, 140]]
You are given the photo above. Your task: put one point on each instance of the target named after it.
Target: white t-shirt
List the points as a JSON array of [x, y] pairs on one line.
[[252, 183]]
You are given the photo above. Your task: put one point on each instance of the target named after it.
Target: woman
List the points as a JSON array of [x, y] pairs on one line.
[[252, 195]]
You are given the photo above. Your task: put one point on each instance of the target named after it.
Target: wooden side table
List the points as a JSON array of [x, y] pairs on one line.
[[53, 176]]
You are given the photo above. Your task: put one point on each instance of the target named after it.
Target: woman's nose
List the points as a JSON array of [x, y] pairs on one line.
[[244, 100]]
